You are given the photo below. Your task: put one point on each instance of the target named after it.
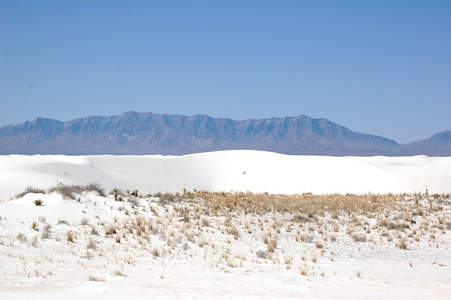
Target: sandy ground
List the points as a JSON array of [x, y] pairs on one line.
[[203, 245]]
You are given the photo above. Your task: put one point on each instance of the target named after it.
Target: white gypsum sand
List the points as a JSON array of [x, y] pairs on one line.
[[238, 170], [203, 245]]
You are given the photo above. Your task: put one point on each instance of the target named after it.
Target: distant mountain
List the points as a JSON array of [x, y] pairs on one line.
[[147, 133], [437, 145]]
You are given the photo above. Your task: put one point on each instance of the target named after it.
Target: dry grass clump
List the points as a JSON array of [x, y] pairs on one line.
[[402, 244], [46, 233], [95, 278], [70, 236], [68, 191], [30, 190], [306, 206], [272, 245]]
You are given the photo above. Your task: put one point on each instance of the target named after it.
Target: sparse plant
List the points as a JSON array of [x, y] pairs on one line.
[[133, 201], [94, 187], [70, 236], [30, 190], [94, 230], [319, 245], [235, 232], [21, 237], [402, 244], [110, 230], [38, 202], [92, 244], [272, 245], [261, 254], [156, 252], [95, 278], [35, 226], [34, 241], [359, 238], [118, 273], [46, 233]]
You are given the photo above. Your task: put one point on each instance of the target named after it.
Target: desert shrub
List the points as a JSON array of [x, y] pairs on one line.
[[34, 241], [84, 221], [92, 244], [64, 190], [46, 234], [70, 236], [110, 230], [31, 189], [118, 273], [300, 218], [134, 193], [35, 226], [38, 202], [134, 201], [205, 222], [234, 231], [94, 231], [272, 245], [261, 254], [156, 252], [166, 198], [94, 278], [21, 237], [359, 238], [288, 259], [94, 187], [402, 244], [68, 191]]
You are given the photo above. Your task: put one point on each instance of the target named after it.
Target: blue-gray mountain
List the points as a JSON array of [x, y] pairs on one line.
[[147, 133]]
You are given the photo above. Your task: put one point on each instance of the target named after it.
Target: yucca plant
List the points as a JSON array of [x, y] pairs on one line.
[[38, 202]]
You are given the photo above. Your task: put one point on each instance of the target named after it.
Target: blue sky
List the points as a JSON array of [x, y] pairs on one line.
[[379, 67]]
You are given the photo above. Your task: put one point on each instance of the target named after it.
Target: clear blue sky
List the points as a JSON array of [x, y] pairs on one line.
[[380, 67]]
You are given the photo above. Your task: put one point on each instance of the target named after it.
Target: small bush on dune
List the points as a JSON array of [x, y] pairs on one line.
[[30, 189], [94, 278], [134, 201], [38, 202], [64, 190], [94, 187], [68, 191], [402, 244], [35, 226], [46, 234], [359, 238], [70, 236], [272, 245], [261, 254]]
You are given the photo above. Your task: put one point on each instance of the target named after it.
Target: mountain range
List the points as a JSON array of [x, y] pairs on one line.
[[148, 133]]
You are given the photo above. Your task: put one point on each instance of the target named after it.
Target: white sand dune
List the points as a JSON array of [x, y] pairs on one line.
[[198, 256], [239, 170]]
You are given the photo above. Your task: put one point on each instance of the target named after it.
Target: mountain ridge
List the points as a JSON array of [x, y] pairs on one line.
[[149, 133]]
